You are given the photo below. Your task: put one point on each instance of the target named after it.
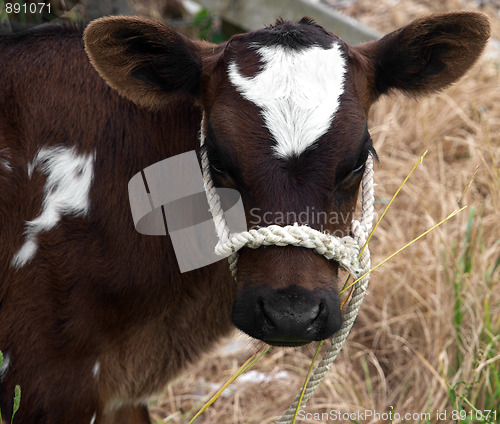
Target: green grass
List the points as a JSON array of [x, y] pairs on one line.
[[4, 17], [21, 16], [470, 398]]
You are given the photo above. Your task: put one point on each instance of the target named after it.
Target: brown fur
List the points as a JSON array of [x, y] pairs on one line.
[[79, 301], [96, 290]]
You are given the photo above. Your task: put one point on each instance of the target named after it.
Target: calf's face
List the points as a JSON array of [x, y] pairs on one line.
[[286, 125], [286, 129]]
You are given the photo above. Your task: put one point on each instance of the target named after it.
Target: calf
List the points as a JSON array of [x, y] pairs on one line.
[[95, 317]]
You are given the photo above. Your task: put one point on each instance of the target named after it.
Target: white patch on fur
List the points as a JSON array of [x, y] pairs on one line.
[[5, 367], [4, 161], [66, 191], [30, 166], [6, 165], [92, 420], [297, 91], [96, 369], [26, 252]]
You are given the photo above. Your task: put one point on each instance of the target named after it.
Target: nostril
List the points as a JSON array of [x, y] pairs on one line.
[[312, 315], [266, 316], [318, 321], [318, 312]]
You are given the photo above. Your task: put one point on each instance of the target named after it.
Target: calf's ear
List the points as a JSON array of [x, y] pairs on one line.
[[426, 55], [144, 60]]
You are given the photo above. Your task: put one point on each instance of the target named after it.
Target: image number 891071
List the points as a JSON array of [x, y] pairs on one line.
[[25, 8]]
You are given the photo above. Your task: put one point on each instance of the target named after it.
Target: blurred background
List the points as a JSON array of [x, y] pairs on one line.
[[428, 335]]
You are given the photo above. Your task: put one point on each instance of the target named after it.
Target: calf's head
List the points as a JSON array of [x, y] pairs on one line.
[[286, 125]]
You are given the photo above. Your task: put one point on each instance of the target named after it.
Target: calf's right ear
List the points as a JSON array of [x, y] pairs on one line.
[[144, 60]]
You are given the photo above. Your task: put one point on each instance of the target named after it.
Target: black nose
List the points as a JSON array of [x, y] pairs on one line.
[[287, 317]]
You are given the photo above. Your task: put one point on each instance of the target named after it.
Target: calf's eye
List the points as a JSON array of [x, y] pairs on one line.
[[358, 170], [221, 177]]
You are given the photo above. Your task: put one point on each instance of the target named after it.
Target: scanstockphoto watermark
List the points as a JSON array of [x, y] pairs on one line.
[[370, 415], [336, 416]]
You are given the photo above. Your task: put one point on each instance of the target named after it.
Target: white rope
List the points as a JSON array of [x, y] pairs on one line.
[[346, 251]]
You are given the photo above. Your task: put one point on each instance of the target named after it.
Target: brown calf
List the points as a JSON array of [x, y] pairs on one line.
[[95, 317]]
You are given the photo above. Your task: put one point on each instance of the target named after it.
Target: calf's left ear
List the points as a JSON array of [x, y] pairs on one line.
[[426, 55], [144, 60]]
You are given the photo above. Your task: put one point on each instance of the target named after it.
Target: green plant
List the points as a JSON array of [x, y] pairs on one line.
[[464, 267], [4, 17], [464, 410], [469, 399], [17, 397], [17, 11], [207, 26]]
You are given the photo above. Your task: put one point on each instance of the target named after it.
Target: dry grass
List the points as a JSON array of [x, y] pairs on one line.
[[432, 317]]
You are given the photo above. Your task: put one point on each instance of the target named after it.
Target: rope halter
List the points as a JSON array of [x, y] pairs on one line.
[[345, 250]]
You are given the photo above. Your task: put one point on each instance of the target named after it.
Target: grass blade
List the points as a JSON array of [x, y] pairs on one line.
[[451, 215], [419, 161], [250, 361], [308, 376]]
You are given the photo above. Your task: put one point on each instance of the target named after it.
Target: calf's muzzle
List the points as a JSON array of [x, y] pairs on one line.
[[290, 316]]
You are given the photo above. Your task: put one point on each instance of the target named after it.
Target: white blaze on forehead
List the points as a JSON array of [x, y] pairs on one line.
[[69, 177], [298, 92]]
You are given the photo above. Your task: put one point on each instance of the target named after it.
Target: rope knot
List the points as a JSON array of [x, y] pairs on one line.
[[344, 250]]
